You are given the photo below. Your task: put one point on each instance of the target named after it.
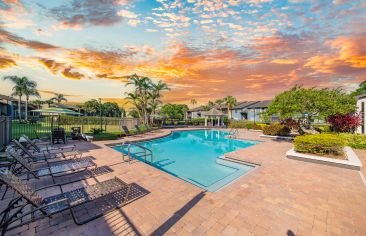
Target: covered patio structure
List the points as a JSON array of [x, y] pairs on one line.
[[213, 115]]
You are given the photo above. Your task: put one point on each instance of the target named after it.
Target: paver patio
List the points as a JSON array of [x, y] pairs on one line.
[[280, 197]]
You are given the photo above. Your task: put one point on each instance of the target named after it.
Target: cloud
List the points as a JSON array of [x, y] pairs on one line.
[[80, 13], [349, 56], [7, 37], [6, 63]]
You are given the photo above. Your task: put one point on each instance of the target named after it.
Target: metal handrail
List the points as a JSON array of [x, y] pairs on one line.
[[146, 151]]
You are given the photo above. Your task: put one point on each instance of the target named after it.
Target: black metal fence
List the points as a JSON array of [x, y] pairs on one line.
[[5, 131], [37, 127]]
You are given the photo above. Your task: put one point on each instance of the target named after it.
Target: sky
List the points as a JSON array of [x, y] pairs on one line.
[[203, 49]]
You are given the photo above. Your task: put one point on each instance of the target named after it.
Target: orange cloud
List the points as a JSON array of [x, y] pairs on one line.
[[349, 56], [6, 63], [285, 61]]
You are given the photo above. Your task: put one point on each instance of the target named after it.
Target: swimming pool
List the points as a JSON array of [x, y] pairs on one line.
[[194, 156]]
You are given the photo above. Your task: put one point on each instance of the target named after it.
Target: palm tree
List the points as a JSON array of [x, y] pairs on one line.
[[136, 102], [155, 96], [59, 98], [49, 102], [219, 102], [38, 103], [20, 84], [193, 102], [230, 102], [30, 89]]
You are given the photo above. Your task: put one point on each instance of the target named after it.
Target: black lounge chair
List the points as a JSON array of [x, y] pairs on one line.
[[53, 170], [31, 206], [126, 130], [57, 135], [34, 157], [49, 149], [138, 130]]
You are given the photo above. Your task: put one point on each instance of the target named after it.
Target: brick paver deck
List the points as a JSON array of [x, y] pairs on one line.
[[280, 197]]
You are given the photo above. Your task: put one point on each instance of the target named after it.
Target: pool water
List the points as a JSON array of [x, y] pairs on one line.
[[194, 156]]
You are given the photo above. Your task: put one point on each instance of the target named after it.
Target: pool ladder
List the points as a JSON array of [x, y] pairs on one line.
[[145, 152]]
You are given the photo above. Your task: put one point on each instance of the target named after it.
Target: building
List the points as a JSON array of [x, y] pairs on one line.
[[8, 106], [240, 111], [246, 110], [361, 101], [195, 113]]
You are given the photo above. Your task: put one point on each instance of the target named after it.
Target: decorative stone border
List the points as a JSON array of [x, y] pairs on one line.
[[276, 137], [352, 163]]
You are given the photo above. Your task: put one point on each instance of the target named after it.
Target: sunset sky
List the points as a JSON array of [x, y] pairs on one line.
[[204, 49]]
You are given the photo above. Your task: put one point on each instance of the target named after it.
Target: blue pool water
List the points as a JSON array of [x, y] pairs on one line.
[[194, 156]]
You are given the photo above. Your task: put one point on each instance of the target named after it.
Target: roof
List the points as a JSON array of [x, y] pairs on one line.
[[261, 104], [214, 112], [201, 108], [7, 98], [358, 97], [245, 104]]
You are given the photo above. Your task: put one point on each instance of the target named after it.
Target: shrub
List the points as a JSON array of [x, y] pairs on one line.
[[320, 144], [198, 121], [96, 131], [255, 126], [291, 123], [276, 129], [322, 128], [344, 123], [238, 124], [357, 141]]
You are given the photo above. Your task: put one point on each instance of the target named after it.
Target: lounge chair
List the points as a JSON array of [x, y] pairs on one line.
[[138, 130], [31, 206], [126, 131], [57, 135], [34, 157], [47, 148], [54, 170]]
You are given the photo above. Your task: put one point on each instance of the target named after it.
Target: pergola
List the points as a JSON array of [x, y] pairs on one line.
[[214, 114]]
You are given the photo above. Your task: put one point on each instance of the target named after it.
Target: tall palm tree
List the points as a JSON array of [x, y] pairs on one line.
[[59, 98], [30, 89], [155, 95], [136, 102], [193, 102], [20, 83], [230, 102]]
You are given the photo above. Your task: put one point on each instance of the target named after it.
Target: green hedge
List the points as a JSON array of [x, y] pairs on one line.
[[357, 141], [320, 144], [276, 129], [237, 124]]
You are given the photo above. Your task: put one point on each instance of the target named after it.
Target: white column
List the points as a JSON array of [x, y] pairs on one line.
[[218, 122]]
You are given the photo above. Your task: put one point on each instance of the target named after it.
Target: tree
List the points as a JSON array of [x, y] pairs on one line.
[[111, 109], [30, 89], [155, 95], [219, 102], [193, 102], [307, 103], [146, 95], [38, 103], [174, 111], [91, 107], [21, 84], [59, 98], [360, 90], [230, 102], [49, 102]]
